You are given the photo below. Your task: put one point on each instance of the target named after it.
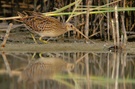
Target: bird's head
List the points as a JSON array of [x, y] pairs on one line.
[[70, 66], [69, 26]]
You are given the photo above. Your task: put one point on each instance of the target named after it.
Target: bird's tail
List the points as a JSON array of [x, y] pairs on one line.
[[33, 13]]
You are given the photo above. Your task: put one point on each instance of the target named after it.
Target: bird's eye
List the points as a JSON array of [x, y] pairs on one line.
[[71, 26]]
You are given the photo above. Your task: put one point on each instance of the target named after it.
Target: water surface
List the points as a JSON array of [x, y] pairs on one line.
[[67, 70]]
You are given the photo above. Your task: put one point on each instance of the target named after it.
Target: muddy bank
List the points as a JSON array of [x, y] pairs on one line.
[[100, 46]]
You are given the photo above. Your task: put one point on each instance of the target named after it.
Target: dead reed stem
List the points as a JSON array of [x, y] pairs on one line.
[[6, 35], [114, 33], [87, 19], [108, 21], [124, 31], [117, 26]]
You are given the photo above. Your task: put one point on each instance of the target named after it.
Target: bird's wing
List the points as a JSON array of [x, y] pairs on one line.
[[47, 23]]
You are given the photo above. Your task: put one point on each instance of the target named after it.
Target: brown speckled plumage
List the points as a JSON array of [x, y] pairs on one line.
[[46, 26]]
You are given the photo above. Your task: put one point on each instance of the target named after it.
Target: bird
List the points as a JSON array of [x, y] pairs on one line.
[[46, 26], [44, 68]]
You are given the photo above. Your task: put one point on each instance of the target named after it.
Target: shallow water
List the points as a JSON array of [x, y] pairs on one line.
[[64, 64], [67, 70]]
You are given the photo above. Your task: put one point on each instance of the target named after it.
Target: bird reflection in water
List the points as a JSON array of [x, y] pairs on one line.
[[44, 68]]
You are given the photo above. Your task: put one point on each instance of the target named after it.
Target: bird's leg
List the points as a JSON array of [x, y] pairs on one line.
[[40, 54], [33, 37], [33, 55], [43, 40]]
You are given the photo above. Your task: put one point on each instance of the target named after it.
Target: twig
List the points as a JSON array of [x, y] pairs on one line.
[[10, 18], [133, 25], [6, 35], [94, 34], [97, 28]]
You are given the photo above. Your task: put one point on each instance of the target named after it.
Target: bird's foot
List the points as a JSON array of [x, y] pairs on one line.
[[43, 40]]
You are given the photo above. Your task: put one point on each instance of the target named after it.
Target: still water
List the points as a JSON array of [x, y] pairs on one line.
[[67, 70]]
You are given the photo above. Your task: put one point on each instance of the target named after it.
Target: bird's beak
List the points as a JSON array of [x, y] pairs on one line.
[[81, 33]]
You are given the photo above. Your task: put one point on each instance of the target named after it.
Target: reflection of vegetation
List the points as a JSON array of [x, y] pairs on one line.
[[96, 79], [91, 69]]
